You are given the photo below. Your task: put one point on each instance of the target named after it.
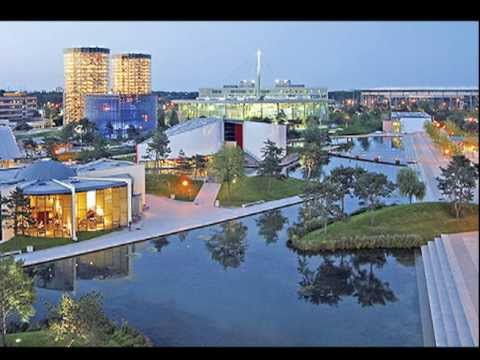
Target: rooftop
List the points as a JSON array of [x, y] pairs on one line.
[[102, 164], [8, 145], [190, 125], [45, 170], [407, 114]]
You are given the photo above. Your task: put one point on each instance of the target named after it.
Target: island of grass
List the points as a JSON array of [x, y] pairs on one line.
[[401, 226], [256, 188], [184, 188], [20, 242]]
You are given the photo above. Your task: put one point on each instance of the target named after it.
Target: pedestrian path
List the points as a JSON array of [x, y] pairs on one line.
[[164, 217], [451, 274], [208, 194]]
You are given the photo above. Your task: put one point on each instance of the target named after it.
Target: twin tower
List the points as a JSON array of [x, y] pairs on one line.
[[87, 72]]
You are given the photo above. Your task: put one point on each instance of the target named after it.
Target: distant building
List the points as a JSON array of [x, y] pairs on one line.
[[114, 115], [131, 74], [17, 106], [405, 122], [206, 136], [86, 72], [101, 195], [249, 100], [451, 97]]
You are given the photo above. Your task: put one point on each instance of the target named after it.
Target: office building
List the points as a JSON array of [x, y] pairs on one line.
[[17, 106], [249, 100], [131, 74], [459, 98], [86, 72]]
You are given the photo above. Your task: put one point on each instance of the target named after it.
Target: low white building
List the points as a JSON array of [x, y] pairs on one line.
[[206, 136], [406, 122]]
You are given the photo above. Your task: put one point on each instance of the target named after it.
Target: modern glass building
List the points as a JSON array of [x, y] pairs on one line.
[[114, 115], [131, 74], [245, 109], [86, 71]]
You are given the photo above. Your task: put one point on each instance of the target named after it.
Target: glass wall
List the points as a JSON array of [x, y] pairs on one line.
[[114, 115], [104, 209]]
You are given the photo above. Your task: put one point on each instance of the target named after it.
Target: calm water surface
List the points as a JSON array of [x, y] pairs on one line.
[[238, 283]]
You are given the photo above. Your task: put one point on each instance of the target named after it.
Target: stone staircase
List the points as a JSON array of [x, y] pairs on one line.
[[451, 273]]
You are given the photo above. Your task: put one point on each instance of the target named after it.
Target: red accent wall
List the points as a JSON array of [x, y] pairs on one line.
[[239, 135]]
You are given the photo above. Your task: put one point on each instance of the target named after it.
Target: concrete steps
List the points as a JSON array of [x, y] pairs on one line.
[[449, 273]]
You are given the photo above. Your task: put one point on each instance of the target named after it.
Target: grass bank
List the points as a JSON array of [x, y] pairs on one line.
[[255, 188], [166, 184], [402, 226], [21, 242], [41, 338]]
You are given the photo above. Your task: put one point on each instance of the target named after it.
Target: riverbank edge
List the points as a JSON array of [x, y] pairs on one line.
[[393, 240]]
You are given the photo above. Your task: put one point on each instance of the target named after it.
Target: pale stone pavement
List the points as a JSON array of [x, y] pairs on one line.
[[207, 194]]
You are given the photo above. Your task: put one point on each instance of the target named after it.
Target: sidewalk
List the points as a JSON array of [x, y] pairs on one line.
[[165, 217], [208, 194]]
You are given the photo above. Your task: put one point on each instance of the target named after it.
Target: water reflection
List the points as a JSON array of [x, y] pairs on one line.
[[342, 275], [270, 224], [160, 243], [364, 143], [62, 275], [227, 245]]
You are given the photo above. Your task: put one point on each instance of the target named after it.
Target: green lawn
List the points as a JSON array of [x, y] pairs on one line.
[[40, 338], [165, 184], [21, 242], [397, 226], [30, 339], [255, 188]]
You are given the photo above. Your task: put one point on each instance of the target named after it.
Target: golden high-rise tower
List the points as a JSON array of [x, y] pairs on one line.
[[86, 71], [131, 74]]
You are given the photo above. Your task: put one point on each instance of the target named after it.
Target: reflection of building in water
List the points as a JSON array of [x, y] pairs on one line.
[[106, 264], [60, 275]]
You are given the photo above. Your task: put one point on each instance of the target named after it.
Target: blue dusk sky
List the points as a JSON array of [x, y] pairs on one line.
[[189, 55]]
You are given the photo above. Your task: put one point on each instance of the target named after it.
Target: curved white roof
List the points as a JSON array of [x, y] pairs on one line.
[[8, 145]]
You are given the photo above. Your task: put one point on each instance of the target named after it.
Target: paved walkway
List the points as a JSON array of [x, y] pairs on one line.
[[207, 194], [164, 217]]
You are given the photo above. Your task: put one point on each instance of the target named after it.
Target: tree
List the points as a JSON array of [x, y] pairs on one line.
[[132, 132], [457, 182], [17, 293], [17, 211], [371, 188], [86, 131], [68, 133], [158, 146], [281, 117], [79, 321], [109, 129], [270, 164], [199, 163], [173, 118], [270, 223], [344, 179], [312, 153], [409, 184], [99, 151], [323, 197], [227, 165]]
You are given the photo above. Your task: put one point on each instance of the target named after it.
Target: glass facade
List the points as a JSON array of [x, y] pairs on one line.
[[86, 71], [131, 74], [239, 110], [115, 114], [103, 209]]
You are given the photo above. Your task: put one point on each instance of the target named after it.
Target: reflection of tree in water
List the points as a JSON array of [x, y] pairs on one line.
[[160, 243], [42, 274], [327, 284], [317, 171], [270, 224], [182, 235], [364, 143], [404, 257], [227, 246], [340, 275]]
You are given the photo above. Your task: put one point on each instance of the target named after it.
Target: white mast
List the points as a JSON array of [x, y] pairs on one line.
[[257, 82]]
